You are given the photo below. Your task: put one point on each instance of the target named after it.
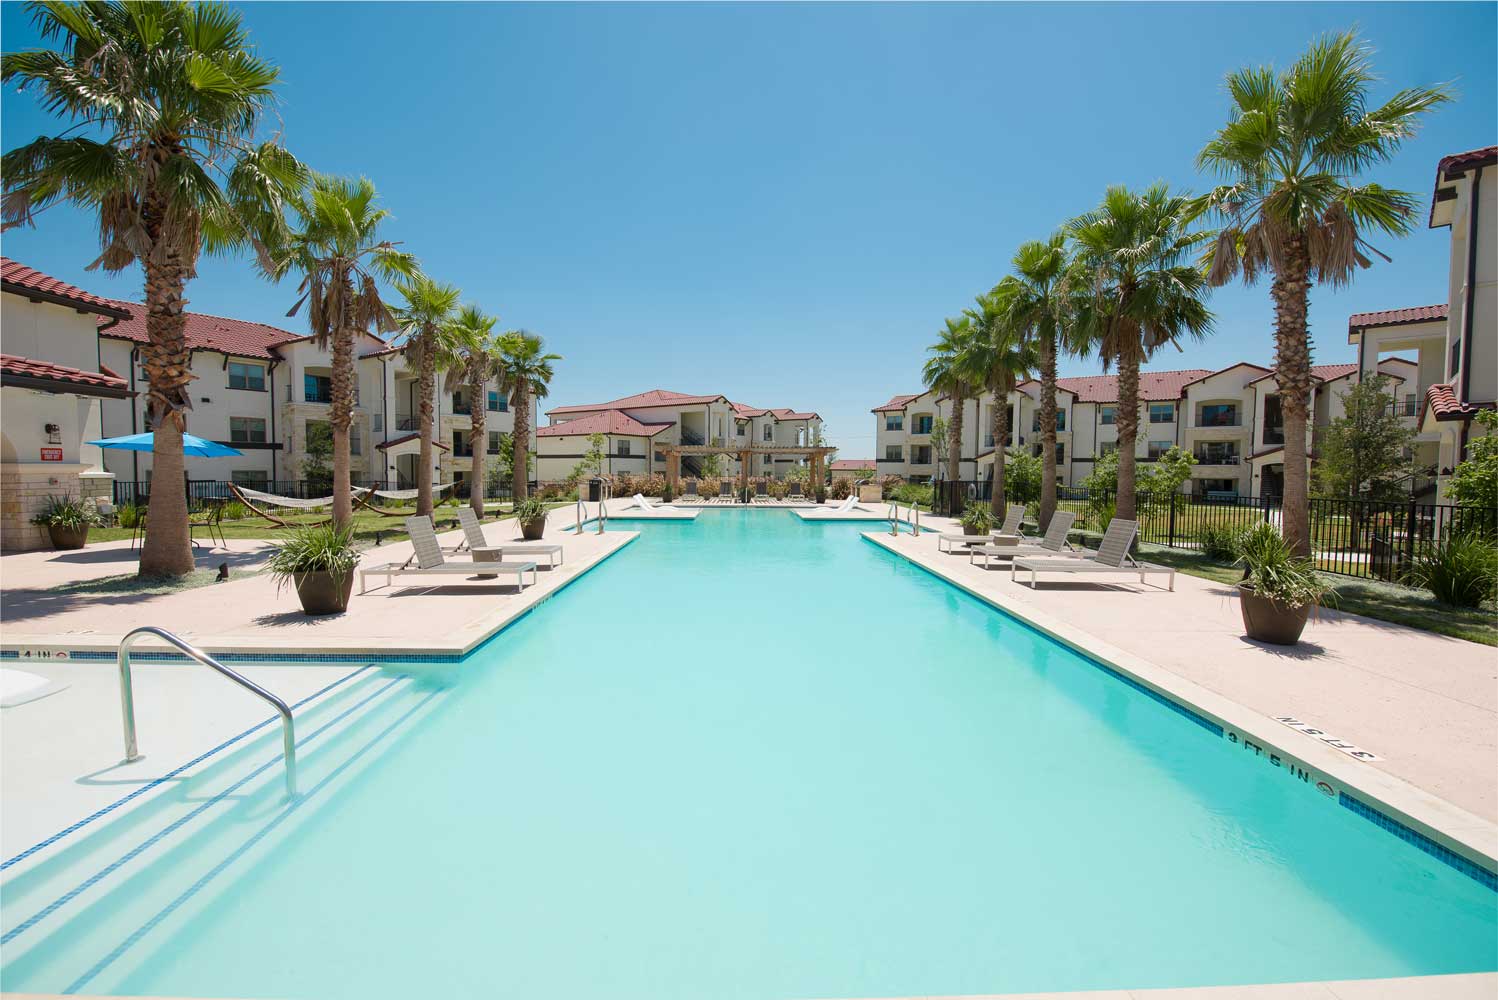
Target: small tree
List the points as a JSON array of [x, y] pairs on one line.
[[1163, 479], [1361, 455], [1102, 488], [939, 443], [597, 450], [712, 466], [1475, 481], [319, 452], [1022, 476]]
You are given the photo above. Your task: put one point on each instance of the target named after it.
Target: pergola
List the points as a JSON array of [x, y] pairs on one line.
[[817, 454]]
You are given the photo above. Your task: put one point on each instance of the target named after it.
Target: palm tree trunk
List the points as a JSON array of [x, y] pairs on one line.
[[167, 550], [954, 438], [1128, 432], [1000, 430], [1292, 369], [478, 416], [428, 391], [1047, 428], [520, 442], [340, 418]]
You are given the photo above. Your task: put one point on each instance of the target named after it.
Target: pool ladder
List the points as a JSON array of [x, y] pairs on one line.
[[127, 697], [603, 509], [913, 519]]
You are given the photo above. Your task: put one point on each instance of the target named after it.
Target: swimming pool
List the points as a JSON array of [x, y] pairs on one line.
[[746, 757]]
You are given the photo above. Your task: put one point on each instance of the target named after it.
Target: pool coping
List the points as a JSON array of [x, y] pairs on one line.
[[1427, 821], [331, 649]]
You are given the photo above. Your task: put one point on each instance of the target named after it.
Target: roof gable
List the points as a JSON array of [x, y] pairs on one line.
[[18, 279]]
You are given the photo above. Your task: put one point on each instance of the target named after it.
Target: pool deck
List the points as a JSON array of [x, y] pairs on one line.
[[1425, 704], [418, 615]]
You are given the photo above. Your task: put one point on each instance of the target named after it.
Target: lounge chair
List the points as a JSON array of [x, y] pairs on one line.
[[1054, 543], [473, 538], [761, 493], [691, 492], [725, 492], [1112, 557], [640, 501], [849, 505], [1008, 530], [429, 561], [794, 493]]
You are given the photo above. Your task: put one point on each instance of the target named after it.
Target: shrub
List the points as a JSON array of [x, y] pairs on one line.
[[1220, 542], [129, 515], [318, 548], [916, 493], [235, 511], [65, 512], [530, 508], [1461, 569], [1274, 571], [840, 489], [977, 517]]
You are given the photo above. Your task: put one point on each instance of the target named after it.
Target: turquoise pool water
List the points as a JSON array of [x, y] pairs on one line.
[[746, 757]]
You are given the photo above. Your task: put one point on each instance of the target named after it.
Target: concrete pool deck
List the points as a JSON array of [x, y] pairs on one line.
[[1426, 705], [430, 615]]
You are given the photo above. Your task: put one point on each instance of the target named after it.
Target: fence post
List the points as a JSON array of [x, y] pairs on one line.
[[1172, 502], [1409, 536]]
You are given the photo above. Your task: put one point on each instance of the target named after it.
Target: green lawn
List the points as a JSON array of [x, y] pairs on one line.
[[1371, 598]]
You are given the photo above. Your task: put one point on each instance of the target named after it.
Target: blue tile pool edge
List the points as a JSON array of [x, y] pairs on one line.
[[1473, 867]]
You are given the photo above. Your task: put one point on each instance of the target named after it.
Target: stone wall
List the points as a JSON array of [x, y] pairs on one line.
[[23, 491]]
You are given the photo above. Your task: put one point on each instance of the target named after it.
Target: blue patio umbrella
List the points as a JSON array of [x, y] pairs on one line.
[[191, 445]]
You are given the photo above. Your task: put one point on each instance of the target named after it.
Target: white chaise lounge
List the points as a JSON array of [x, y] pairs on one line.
[[1112, 557], [1008, 530], [473, 538], [429, 561], [1053, 543], [640, 501]]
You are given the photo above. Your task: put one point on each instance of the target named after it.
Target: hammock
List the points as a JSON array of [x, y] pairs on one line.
[[361, 498], [409, 494], [247, 496]]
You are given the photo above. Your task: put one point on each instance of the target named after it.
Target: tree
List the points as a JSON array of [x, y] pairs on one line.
[[175, 93], [1475, 481], [473, 360], [1163, 478], [1133, 250], [426, 321], [336, 248], [525, 373], [1102, 488], [999, 356], [947, 371], [1023, 474], [939, 442], [1040, 307], [1291, 152], [316, 451], [597, 445], [1361, 454], [711, 467]]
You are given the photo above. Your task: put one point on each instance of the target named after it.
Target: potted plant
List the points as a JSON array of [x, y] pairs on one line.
[[977, 519], [67, 521], [531, 513], [1279, 589], [319, 561]]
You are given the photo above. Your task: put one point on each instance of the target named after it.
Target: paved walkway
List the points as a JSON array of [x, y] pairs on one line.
[[25, 572]]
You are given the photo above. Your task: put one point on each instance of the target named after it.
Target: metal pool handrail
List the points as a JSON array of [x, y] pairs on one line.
[[127, 697]]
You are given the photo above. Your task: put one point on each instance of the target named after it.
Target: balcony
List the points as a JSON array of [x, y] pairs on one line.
[[406, 422], [1217, 459]]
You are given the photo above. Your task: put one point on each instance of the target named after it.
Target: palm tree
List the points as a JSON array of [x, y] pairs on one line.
[[472, 360], [426, 321], [168, 97], [525, 373], [337, 249], [946, 371], [999, 357], [1134, 250], [1039, 306], [1291, 152]]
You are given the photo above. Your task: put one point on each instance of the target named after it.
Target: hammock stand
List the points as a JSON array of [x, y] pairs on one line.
[[273, 519], [362, 493]]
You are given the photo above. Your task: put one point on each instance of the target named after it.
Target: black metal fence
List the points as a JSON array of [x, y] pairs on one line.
[[138, 492], [1364, 538]]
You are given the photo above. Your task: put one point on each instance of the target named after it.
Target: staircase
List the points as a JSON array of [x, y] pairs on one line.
[[691, 465]]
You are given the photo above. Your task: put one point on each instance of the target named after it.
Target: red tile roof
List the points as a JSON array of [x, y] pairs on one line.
[[786, 413], [238, 337], [897, 402], [1394, 317], [1152, 385], [655, 397], [852, 464], [1441, 400], [1453, 166], [607, 422], [13, 366], [19, 279]]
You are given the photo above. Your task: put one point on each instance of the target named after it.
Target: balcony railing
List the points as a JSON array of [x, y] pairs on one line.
[[690, 437], [1409, 406], [407, 423], [317, 397], [1210, 459]]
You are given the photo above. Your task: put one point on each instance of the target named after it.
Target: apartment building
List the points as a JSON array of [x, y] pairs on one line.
[[52, 389], [1228, 419], [634, 428], [1454, 345]]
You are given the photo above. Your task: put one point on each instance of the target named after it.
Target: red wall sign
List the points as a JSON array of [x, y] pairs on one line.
[[51, 454]]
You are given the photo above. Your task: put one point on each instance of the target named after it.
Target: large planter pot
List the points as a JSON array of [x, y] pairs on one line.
[[67, 538], [1270, 621], [533, 529], [970, 530], [324, 593]]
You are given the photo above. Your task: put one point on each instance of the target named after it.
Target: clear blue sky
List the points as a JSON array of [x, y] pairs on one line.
[[781, 203]]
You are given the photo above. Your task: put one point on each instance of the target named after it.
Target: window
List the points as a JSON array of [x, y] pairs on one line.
[[461, 446], [922, 424], [1060, 452], [1218, 415], [377, 422], [1456, 359], [1162, 413], [1107, 447], [317, 389], [255, 479], [497, 403], [1274, 420], [247, 430], [243, 375], [892, 453], [769, 432], [494, 441], [1217, 453], [894, 421], [354, 446], [621, 448], [920, 454], [1060, 422], [1159, 448], [1108, 415], [460, 401]]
